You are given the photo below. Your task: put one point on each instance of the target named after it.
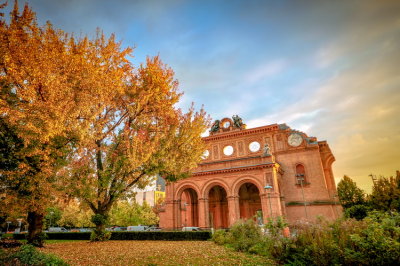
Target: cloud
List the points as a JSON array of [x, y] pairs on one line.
[[264, 71]]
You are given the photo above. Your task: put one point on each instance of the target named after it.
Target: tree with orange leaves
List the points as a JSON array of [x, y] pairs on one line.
[[138, 134], [87, 122]]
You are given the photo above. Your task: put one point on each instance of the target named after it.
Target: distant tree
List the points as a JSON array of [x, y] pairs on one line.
[[125, 213], [385, 194], [76, 215], [52, 216], [349, 194]]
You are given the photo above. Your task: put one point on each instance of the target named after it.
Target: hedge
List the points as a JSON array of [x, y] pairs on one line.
[[172, 236]]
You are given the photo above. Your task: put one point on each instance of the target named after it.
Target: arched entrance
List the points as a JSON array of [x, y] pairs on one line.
[[189, 208], [250, 202], [218, 207]]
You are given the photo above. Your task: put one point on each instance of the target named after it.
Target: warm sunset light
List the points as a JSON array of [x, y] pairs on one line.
[[327, 68], [199, 132]]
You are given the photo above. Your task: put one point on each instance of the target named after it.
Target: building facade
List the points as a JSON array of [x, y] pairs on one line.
[[256, 173], [152, 194]]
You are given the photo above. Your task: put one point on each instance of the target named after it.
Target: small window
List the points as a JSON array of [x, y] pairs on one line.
[[301, 177]]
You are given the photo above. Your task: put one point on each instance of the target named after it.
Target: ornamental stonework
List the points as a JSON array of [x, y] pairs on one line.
[[254, 173]]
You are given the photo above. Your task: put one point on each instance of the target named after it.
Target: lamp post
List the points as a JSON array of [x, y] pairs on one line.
[[8, 225], [51, 217], [19, 220], [300, 178], [269, 198]]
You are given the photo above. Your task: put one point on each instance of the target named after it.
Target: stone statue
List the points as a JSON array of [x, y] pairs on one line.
[[267, 150], [237, 121], [215, 126]]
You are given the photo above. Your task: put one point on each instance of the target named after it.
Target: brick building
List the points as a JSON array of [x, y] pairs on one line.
[[260, 172]]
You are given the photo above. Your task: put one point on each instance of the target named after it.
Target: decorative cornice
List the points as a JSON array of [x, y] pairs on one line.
[[236, 169], [244, 132], [230, 160]]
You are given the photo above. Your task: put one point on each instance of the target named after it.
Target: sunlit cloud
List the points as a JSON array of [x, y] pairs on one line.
[[328, 68]]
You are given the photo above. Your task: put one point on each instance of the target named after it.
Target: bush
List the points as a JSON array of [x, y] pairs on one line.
[[174, 236], [374, 240], [100, 235], [220, 237], [28, 255], [243, 235], [358, 212]]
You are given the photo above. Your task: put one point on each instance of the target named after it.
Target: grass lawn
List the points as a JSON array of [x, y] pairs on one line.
[[150, 253]]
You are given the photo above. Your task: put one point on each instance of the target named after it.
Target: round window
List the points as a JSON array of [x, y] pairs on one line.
[[254, 146], [226, 124], [228, 150], [205, 155]]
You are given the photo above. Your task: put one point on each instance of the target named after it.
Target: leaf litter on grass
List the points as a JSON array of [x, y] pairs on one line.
[[151, 253]]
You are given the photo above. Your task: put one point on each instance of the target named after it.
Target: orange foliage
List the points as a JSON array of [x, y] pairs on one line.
[[94, 124]]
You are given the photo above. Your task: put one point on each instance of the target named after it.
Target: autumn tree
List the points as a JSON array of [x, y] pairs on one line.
[[138, 134], [349, 194], [125, 213], [385, 194], [53, 87]]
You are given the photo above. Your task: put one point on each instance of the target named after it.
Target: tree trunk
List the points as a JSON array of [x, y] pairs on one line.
[[35, 228], [100, 220]]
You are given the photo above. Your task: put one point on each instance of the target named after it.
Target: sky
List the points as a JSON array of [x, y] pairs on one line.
[[328, 68]]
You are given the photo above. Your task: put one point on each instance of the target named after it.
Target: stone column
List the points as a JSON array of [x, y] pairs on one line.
[[234, 210], [177, 214], [203, 213]]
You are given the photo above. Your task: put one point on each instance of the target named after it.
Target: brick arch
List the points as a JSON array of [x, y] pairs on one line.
[[246, 179], [210, 184], [184, 186]]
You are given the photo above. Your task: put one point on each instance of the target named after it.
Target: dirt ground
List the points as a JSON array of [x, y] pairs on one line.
[[150, 253]]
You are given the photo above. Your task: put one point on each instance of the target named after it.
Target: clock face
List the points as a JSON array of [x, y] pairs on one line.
[[205, 155], [226, 124], [295, 139], [228, 150], [254, 146]]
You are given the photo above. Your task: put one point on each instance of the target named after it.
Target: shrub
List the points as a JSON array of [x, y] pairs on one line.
[[243, 235], [28, 255], [175, 236], [220, 237], [100, 235], [358, 212]]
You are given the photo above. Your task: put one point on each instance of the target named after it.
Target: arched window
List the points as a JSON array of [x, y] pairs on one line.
[[301, 178]]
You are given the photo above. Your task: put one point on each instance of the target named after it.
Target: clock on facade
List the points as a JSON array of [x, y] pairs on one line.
[[228, 150], [226, 124], [254, 146], [205, 155], [295, 139]]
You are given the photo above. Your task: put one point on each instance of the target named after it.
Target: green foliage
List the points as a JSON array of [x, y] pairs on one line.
[[243, 235], [100, 235], [28, 255], [357, 212], [52, 217], [99, 219], [220, 237], [349, 194], [126, 213], [172, 236], [372, 241], [276, 225], [386, 193]]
